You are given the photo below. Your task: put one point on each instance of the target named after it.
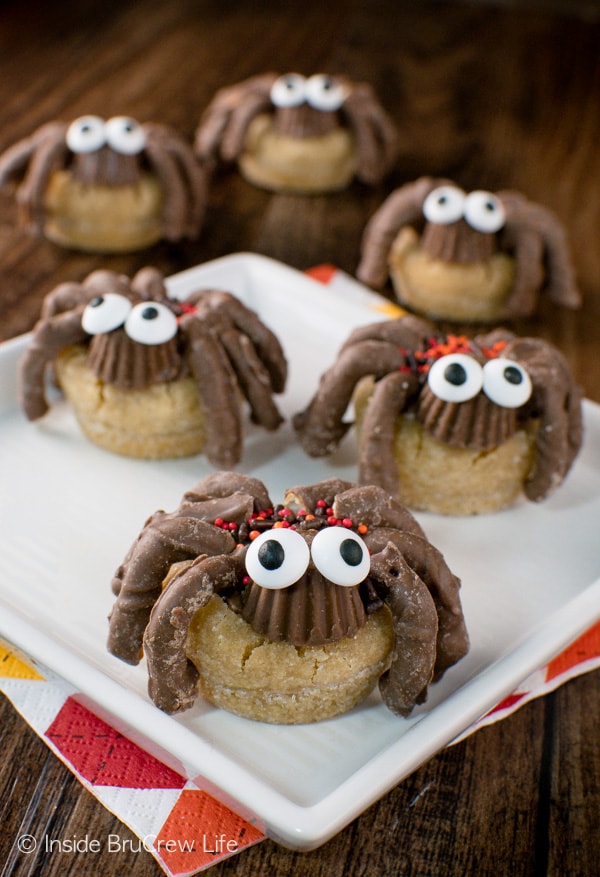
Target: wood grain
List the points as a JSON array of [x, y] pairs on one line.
[[493, 95]]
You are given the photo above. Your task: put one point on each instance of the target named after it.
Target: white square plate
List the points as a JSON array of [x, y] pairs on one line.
[[70, 510]]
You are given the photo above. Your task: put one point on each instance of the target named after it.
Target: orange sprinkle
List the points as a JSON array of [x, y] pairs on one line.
[[254, 533], [362, 529]]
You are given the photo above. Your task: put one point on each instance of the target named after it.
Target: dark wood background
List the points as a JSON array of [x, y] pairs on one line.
[[493, 95]]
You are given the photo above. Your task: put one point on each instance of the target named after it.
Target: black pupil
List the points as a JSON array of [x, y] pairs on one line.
[[455, 374], [150, 313], [351, 552], [443, 199], [271, 554], [490, 206], [513, 375], [96, 302]]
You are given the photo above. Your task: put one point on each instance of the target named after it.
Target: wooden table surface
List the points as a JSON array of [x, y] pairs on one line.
[[491, 95]]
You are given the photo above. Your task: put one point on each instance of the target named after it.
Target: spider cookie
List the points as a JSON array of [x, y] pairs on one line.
[[150, 376], [286, 614], [296, 134], [473, 257], [106, 186], [449, 424]]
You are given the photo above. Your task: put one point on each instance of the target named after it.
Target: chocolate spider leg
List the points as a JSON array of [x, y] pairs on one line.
[[172, 678], [527, 248], [320, 427], [224, 485], [194, 177], [430, 566], [409, 332], [264, 340], [255, 102], [48, 157], [218, 393], [556, 401], [167, 539], [375, 134], [560, 282], [164, 165], [415, 625], [402, 207], [373, 506], [253, 378], [266, 343], [50, 336], [217, 116], [376, 461]]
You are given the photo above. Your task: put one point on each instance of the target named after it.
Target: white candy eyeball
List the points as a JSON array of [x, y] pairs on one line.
[[324, 93], [277, 558], [125, 135], [105, 313], [151, 322], [341, 556], [506, 383], [455, 377], [484, 212], [86, 134], [444, 205], [289, 90]]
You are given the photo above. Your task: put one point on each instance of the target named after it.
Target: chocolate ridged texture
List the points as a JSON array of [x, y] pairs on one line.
[[304, 121], [311, 612], [117, 360], [106, 167], [457, 242], [477, 424]]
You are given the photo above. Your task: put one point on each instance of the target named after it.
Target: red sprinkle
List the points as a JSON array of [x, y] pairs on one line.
[[232, 526], [347, 522], [219, 522], [321, 504], [332, 520]]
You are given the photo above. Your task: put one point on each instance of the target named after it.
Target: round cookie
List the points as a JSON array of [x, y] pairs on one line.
[[243, 672], [290, 613], [283, 163], [110, 186], [162, 421], [150, 376], [476, 257], [293, 133], [446, 423]]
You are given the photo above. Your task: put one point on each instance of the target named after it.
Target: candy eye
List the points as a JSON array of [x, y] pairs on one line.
[[341, 556], [484, 212], [289, 90], [86, 134], [455, 377], [105, 313], [277, 558], [444, 205], [506, 383], [324, 93], [125, 135], [151, 322]]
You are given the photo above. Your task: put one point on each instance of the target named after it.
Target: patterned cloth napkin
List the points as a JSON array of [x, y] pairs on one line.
[[184, 827]]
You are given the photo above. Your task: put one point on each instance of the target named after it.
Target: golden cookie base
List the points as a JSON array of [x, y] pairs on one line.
[[305, 165], [103, 219], [160, 422], [242, 672], [474, 292]]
